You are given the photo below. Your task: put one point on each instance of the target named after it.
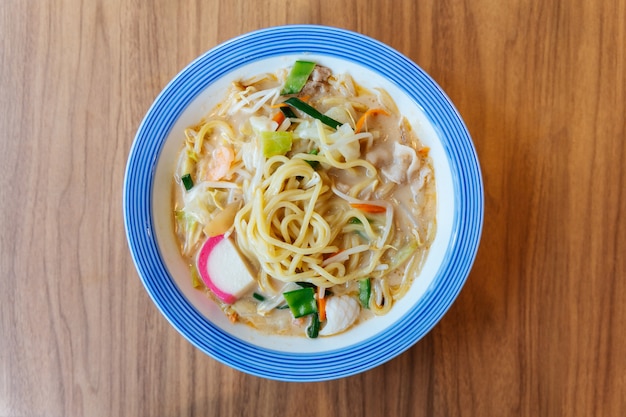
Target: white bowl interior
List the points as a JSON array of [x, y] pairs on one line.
[[163, 219]]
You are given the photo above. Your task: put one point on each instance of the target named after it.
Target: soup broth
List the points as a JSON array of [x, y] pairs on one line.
[[316, 190]]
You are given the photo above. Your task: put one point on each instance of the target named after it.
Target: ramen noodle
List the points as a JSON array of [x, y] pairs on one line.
[[304, 202]]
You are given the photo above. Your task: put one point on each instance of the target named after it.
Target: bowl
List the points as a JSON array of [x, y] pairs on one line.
[[149, 224]]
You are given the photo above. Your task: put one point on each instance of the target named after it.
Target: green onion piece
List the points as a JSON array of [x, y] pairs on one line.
[[356, 220], [305, 108], [314, 328], [301, 301], [314, 164], [297, 77], [305, 284], [187, 181], [365, 291], [359, 231], [258, 296], [288, 112], [276, 143]]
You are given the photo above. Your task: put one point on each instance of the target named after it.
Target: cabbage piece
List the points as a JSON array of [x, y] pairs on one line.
[[276, 143], [191, 229], [199, 203], [346, 142], [307, 130], [342, 114], [263, 124]]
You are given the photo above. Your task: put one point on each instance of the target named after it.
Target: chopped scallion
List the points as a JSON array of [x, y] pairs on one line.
[[365, 291], [314, 328], [314, 164], [187, 181], [311, 111], [288, 112]]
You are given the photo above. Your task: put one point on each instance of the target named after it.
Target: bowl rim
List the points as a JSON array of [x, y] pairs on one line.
[[322, 40]]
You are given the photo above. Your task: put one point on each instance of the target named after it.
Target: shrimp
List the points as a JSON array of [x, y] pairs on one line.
[[219, 164]]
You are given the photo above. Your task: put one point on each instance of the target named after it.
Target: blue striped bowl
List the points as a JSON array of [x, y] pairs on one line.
[[148, 219]]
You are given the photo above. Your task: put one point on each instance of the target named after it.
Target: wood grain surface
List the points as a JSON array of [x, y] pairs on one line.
[[539, 328]]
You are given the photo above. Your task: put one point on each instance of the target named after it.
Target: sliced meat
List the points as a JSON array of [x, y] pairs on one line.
[[318, 81]]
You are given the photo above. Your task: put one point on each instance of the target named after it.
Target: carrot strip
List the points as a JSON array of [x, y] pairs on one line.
[[321, 303], [368, 208], [279, 117], [424, 151], [279, 105], [363, 118]]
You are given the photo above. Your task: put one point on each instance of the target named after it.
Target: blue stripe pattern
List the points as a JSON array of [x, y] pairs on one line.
[[348, 46]]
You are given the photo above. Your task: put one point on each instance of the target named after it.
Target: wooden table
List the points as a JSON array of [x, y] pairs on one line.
[[540, 326]]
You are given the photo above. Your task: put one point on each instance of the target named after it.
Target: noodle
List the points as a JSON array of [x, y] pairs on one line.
[[334, 208]]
